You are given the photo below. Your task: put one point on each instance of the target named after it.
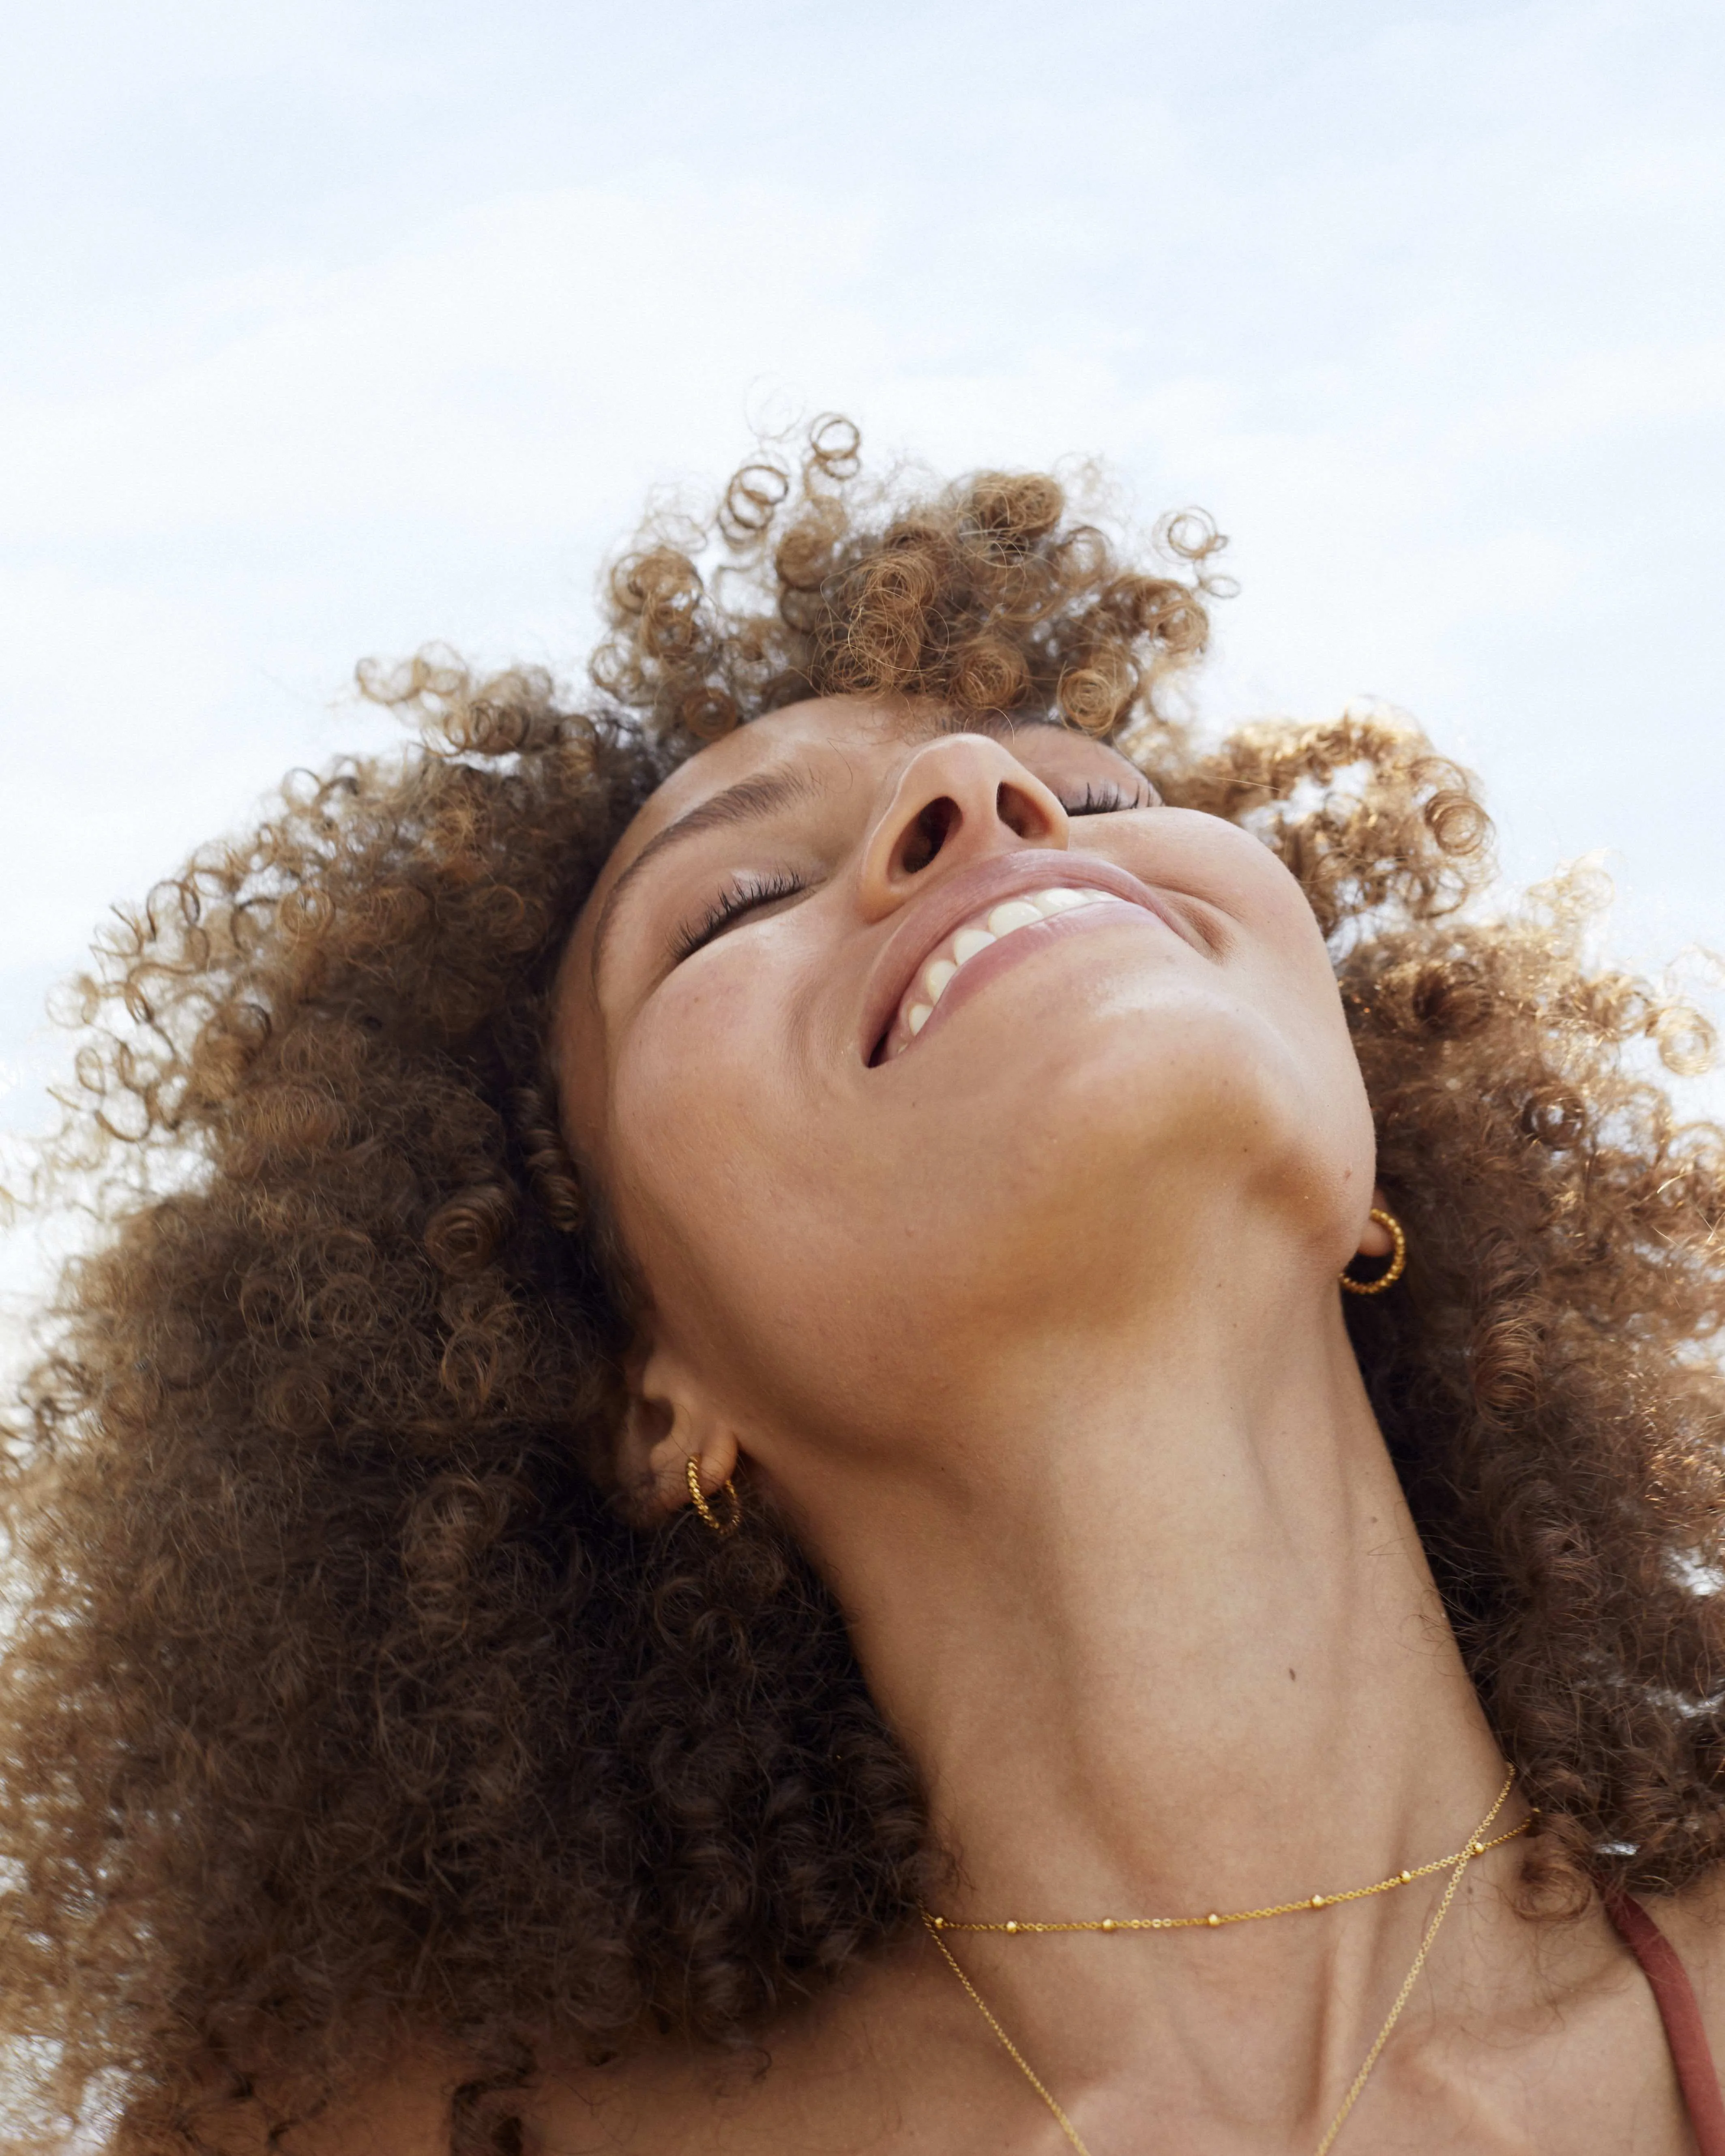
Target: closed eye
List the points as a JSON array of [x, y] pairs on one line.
[[1104, 798], [744, 896]]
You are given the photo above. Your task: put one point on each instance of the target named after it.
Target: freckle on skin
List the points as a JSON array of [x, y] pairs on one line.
[[1291, 1677]]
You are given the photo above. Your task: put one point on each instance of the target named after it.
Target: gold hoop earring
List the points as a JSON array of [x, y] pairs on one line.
[[1398, 1262], [726, 1488]]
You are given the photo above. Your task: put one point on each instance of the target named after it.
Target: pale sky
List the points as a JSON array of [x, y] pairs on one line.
[[332, 329]]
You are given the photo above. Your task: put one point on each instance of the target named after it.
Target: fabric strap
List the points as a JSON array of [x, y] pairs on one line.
[[1691, 2054]]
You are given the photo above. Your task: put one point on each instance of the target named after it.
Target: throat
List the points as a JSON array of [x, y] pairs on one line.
[[1194, 1664], [1150, 1613]]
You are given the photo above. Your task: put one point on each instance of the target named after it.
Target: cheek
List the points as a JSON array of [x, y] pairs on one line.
[[1298, 990], [1287, 1037], [705, 1117], [678, 1090]]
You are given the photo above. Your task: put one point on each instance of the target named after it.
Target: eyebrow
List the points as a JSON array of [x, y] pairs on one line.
[[747, 801]]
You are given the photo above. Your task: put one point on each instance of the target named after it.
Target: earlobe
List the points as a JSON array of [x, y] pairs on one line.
[[669, 1420], [1375, 1239], [727, 1517], [1383, 1237]]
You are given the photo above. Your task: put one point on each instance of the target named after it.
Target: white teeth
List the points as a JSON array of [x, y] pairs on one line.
[[938, 975]]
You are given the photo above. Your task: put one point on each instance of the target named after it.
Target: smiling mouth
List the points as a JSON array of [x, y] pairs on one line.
[[989, 925]]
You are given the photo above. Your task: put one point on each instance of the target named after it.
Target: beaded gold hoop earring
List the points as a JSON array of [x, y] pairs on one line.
[[1397, 1260], [726, 1488]]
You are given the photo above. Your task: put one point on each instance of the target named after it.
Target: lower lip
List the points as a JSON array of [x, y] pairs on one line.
[[1024, 943]]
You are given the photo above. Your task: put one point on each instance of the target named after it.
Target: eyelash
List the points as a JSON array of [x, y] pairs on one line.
[[741, 898], [1102, 801]]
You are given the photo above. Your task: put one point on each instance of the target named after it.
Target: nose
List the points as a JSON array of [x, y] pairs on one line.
[[955, 801]]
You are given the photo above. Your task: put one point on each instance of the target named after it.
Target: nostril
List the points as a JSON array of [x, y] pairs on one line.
[[1022, 816], [927, 834]]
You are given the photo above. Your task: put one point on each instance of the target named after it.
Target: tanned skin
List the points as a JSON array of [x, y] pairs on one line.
[[1033, 1333]]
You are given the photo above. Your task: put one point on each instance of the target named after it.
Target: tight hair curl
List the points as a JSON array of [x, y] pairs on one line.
[[341, 1712]]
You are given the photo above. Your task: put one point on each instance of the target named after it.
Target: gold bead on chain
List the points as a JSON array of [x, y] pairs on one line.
[[1017, 1928]]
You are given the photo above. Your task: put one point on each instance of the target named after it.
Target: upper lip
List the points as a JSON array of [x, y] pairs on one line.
[[925, 923]]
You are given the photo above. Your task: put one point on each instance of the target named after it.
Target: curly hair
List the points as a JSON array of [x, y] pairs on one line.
[[342, 1709]]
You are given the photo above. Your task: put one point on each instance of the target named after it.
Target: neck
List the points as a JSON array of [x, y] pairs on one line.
[[1160, 1631], [1156, 1626]]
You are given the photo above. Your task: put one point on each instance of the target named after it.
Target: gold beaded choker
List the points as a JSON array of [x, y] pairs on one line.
[[1014, 1927], [1475, 1845]]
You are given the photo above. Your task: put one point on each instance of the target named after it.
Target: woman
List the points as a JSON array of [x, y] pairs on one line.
[[736, 1382]]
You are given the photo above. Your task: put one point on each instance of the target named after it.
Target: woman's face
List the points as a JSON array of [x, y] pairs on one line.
[[899, 1049]]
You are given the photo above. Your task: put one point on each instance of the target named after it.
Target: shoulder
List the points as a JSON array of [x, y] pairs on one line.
[[662, 2097], [887, 2060], [667, 2098], [884, 2062], [404, 2108]]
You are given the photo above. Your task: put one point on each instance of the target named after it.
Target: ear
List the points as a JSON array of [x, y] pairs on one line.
[[1376, 1241], [671, 1418]]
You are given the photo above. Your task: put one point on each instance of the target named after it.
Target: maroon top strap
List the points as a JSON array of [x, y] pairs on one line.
[[1691, 2055]]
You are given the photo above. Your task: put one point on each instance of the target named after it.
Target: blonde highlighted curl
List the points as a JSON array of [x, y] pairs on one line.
[[342, 1712]]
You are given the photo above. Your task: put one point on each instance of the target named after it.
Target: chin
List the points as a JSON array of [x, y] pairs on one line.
[[1060, 1138], [1127, 1065]]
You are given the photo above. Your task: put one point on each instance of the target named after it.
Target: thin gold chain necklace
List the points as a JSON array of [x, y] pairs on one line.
[[1475, 1845]]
